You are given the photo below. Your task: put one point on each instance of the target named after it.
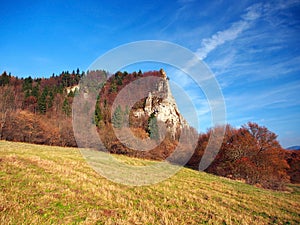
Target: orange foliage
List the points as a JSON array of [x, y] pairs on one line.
[[251, 153]]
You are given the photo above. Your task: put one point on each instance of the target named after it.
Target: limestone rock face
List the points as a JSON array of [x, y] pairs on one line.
[[161, 103], [148, 104]]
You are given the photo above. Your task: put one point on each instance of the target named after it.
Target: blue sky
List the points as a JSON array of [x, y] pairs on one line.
[[252, 47]]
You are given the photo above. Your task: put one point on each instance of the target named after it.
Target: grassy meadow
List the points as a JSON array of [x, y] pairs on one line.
[[55, 185]]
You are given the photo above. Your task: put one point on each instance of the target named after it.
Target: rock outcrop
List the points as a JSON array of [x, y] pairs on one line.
[[161, 104]]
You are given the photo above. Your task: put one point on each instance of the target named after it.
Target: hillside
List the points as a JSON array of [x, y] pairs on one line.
[[54, 185], [111, 107]]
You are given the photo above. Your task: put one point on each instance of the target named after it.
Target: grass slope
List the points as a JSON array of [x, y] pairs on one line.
[[54, 185]]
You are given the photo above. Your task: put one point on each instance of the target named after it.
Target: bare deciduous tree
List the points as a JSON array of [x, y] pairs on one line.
[[7, 105]]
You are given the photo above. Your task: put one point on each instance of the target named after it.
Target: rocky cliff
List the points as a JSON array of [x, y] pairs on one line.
[[161, 104]]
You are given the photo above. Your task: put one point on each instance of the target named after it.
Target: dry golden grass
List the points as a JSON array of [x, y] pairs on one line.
[[54, 185]]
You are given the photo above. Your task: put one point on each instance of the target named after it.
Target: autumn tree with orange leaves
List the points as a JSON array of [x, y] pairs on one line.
[[250, 153]]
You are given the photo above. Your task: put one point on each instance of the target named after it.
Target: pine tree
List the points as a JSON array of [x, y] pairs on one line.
[[66, 107], [140, 73], [117, 118], [27, 94], [35, 91], [98, 114], [27, 84], [118, 78], [127, 111], [50, 100], [126, 116], [113, 87], [153, 128], [4, 79], [42, 102]]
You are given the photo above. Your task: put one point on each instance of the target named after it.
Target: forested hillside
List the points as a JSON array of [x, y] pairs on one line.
[[39, 110]]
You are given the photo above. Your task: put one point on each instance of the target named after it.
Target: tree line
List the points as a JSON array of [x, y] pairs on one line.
[[250, 153], [38, 110]]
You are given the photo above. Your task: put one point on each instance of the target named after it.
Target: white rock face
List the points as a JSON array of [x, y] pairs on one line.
[[148, 104], [162, 104], [73, 89], [139, 113]]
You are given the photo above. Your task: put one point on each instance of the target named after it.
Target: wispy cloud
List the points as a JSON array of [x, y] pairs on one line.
[[256, 64], [175, 18], [280, 97], [253, 13], [260, 11], [230, 34]]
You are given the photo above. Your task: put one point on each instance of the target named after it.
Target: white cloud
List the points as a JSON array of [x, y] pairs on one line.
[[209, 44], [253, 12], [257, 11], [280, 97]]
